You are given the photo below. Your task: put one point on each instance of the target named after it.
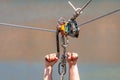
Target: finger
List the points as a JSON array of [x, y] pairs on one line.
[[72, 56], [47, 58], [51, 57], [68, 54], [75, 56], [54, 58]]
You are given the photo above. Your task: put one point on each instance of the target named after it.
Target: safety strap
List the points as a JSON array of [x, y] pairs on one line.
[[57, 43]]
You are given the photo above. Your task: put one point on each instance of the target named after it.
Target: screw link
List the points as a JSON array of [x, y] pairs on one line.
[[62, 68]]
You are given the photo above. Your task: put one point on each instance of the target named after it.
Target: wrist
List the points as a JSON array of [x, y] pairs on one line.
[[48, 69], [48, 72], [48, 66], [72, 65]]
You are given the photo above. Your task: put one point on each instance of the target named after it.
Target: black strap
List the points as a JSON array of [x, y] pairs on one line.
[[57, 43]]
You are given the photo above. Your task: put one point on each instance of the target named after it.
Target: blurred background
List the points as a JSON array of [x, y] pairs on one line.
[[22, 51]]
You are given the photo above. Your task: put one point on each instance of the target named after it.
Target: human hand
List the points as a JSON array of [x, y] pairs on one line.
[[72, 58], [50, 59]]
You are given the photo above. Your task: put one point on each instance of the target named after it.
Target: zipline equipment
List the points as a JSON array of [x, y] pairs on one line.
[[69, 28]]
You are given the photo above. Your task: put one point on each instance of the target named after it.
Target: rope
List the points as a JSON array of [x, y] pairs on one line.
[[91, 20], [84, 6], [26, 27]]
